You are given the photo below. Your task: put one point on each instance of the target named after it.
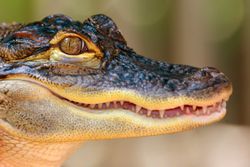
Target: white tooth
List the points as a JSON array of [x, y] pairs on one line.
[[223, 104], [108, 104], [149, 112], [182, 107], [137, 108], [204, 109], [194, 107], [223, 110], [161, 113], [100, 105], [197, 113], [92, 106], [187, 110]]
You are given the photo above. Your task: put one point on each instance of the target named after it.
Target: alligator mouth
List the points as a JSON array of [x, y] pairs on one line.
[[203, 110], [191, 110]]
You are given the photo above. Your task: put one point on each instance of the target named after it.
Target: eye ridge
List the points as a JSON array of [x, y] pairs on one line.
[[73, 45]]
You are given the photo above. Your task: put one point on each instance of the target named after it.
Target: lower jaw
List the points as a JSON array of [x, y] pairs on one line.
[[142, 125]]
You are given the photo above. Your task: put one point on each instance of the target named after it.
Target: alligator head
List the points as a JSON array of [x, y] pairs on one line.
[[65, 80]]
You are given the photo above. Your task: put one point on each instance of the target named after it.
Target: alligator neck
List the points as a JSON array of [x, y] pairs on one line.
[[16, 152]]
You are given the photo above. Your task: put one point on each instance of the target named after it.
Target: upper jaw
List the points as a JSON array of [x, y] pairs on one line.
[[161, 80], [132, 78]]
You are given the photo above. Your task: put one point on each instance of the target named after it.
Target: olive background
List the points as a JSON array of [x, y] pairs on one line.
[[195, 32]]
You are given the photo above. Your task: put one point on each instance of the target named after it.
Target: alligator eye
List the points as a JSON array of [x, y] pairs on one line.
[[67, 47], [72, 45]]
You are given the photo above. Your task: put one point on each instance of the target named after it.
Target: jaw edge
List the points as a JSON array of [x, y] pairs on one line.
[[192, 110], [218, 106], [203, 109]]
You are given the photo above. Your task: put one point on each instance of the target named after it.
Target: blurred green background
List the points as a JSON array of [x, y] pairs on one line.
[[196, 32]]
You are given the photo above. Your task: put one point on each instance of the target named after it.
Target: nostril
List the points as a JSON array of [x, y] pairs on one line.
[[212, 71], [202, 73]]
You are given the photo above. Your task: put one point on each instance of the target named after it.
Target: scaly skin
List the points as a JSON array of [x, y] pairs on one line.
[[54, 94]]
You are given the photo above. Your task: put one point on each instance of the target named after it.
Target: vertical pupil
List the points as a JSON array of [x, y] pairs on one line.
[[71, 45]]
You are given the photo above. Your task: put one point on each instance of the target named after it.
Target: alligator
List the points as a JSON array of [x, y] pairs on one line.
[[63, 82]]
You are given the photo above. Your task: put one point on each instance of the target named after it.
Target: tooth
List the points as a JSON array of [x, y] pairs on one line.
[[149, 112], [194, 107], [223, 110], [223, 104], [187, 110], [137, 108], [182, 107], [108, 104], [161, 113], [204, 109], [197, 113], [178, 114], [100, 105], [92, 106], [121, 102]]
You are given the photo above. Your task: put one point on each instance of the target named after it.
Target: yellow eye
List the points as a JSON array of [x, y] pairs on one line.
[[72, 45], [67, 47]]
